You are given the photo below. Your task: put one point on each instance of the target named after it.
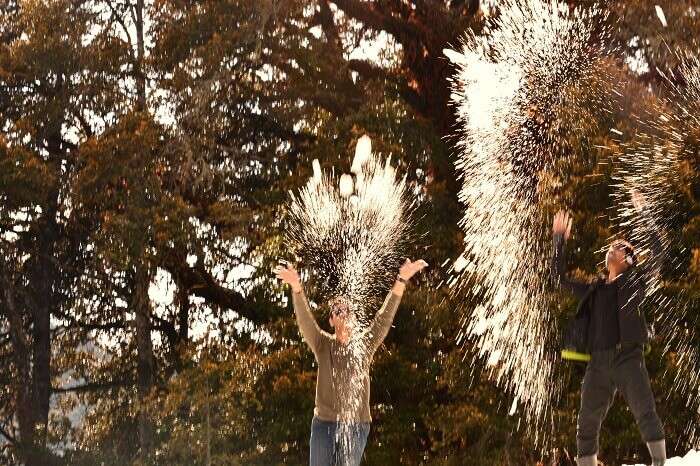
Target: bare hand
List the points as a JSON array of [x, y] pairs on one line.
[[562, 224], [288, 274], [639, 201], [409, 269]]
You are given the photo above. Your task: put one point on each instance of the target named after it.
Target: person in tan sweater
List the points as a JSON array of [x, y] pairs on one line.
[[341, 420]]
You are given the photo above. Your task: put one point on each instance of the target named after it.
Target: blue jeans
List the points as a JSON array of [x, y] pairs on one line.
[[337, 443]]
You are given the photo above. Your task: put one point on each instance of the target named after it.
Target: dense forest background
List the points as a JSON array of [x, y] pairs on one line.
[[146, 152]]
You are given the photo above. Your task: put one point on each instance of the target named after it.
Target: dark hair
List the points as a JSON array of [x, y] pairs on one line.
[[630, 256], [342, 300]]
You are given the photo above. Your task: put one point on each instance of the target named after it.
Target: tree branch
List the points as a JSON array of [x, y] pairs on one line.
[[371, 71], [324, 18], [89, 325], [199, 282], [9, 437], [368, 14], [93, 386], [117, 16]]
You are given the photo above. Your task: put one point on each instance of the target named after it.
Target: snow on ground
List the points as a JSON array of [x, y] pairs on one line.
[[691, 459]]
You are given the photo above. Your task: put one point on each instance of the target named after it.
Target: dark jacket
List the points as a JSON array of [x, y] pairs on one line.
[[632, 288]]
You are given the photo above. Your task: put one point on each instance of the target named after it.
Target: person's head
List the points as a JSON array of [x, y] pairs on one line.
[[341, 316], [620, 256]]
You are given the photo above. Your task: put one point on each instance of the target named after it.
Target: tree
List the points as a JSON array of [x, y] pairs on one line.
[[42, 248]]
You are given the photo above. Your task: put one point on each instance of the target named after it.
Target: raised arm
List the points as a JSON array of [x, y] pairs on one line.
[[379, 328], [651, 230], [310, 330], [308, 327], [562, 230]]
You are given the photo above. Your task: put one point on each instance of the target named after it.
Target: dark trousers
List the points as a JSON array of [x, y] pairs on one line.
[[621, 368], [337, 443]]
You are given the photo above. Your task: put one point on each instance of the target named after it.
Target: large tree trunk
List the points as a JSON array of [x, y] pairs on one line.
[[183, 312], [144, 345], [32, 352], [177, 333], [140, 50], [141, 302], [43, 281], [20, 346]]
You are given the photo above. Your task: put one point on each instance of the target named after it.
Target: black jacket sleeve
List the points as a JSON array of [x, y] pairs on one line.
[[579, 289]]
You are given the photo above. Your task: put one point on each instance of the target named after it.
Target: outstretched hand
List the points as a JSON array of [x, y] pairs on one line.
[[562, 224], [288, 274], [409, 269]]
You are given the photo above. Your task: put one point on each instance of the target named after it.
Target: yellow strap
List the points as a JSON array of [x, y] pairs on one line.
[[571, 355]]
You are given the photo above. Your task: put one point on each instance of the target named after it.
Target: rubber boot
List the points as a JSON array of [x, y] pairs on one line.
[[658, 452], [587, 460]]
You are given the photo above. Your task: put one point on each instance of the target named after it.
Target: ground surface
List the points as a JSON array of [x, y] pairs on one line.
[[691, 459]]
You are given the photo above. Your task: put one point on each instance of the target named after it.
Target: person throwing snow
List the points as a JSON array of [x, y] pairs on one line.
[[613, 330], [341, 420]]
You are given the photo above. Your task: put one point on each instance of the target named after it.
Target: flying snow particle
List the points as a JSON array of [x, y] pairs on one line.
[[661, 15], [350, 232], [526, 89], [652, 163]]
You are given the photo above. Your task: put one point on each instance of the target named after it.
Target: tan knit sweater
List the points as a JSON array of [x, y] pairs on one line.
[[342, 381]]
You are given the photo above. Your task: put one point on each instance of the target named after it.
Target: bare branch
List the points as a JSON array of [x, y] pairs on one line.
[[118, 17], [90, 386]]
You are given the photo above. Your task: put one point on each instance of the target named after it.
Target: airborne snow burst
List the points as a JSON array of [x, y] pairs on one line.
[[350, 231], [651, 163], [526, 91]]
